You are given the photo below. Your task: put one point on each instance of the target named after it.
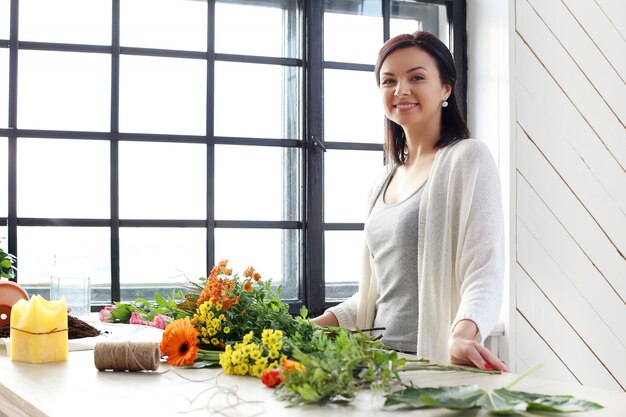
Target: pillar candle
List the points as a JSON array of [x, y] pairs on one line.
[[39, 330]]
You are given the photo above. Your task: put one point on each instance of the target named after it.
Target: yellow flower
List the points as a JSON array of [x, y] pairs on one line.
[[247, 338], [262, 362], [226, 330]]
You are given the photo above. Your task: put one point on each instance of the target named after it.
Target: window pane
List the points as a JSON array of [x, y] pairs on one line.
[[353, 31], [255, 30], [274, 253], [160, 258], [352, 111], [64, 91], [85, 250], [343, 253], [162, 95], [4, 238], [63, 178], [409, 16], [348, 178], [255, 100], [256, 183], [4, 87], [5, 19], [162, 180], [66, 21], [164, 24], [4, 178]]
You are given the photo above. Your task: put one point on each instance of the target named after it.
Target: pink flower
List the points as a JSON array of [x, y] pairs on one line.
[[106, 316], [135, 319], [160, 321]]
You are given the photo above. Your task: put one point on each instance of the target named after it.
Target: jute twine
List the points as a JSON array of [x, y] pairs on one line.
[[126, 356]]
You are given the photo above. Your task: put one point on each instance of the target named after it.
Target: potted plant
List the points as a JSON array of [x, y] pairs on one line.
[[7, 265], [10, 292]]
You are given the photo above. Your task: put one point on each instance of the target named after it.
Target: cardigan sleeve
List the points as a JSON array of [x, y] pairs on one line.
[[346, 312], [480, 248]]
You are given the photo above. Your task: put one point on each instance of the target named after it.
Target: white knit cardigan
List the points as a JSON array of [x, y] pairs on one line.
[[460, 251]]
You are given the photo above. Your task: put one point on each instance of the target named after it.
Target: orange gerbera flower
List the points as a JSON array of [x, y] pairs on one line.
[[248, 272], [180, 343], [256, 276], [247, 286]]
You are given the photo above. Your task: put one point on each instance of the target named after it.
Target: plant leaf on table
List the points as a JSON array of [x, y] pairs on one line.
[[498, 401]]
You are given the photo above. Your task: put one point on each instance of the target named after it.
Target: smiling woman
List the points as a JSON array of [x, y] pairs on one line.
[[432, 272]]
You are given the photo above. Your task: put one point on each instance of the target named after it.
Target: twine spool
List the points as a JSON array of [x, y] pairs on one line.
[[127, 356]]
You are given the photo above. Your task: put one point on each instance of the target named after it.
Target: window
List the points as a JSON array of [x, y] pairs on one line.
[[144, 140]]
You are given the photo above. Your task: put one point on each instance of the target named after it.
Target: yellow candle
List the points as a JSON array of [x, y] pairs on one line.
[[39, 330]]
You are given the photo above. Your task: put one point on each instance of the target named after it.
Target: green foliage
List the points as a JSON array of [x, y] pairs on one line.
[[149, 309], [336, 364], [7, 265], [498, 401], [256, 310]]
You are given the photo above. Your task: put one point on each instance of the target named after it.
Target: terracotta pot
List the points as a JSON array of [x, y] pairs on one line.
[[10, 293]]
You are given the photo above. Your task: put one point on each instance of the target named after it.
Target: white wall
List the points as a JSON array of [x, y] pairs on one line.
[[566, 148]]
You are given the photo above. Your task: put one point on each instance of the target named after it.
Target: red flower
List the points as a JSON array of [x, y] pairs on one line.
[[271, 378]]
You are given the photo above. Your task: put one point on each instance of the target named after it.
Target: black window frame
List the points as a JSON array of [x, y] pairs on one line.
[[311, 283]]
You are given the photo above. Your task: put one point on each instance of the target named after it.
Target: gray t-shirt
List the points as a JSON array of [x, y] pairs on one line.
[[391, 235]]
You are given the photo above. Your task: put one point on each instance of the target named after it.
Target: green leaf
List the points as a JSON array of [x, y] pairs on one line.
[[461, 397], [304, 312], [5, 263], [549, 403], [498, 401], [495, 402], [121, 314], [308, 393], [160, 300]]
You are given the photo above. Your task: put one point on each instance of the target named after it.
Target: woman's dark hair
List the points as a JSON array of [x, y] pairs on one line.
[[453, 126]]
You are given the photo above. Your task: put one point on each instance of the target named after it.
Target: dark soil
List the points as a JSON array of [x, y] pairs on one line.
[[77, 329]]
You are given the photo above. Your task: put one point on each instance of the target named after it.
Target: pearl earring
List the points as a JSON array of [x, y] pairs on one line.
[[444, 104]]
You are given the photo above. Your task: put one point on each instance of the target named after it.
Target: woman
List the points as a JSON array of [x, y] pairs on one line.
[[433, 267]]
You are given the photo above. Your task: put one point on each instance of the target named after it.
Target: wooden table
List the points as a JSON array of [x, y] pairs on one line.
[[76, 389]]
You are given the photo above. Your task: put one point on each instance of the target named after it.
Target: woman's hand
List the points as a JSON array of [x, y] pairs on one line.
[[465, 350], [327, 319]]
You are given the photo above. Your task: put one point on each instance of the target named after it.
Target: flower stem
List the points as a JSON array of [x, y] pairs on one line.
[[524, 375]]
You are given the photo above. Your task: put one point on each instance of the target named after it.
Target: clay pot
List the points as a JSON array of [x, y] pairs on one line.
[[10, 293]]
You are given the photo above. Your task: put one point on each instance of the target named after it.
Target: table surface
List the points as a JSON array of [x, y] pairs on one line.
[[75, 388]]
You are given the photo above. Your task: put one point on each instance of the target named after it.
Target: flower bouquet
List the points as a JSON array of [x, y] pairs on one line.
[[240, 324]]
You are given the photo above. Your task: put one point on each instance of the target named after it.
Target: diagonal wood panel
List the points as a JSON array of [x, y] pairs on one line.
[[560, 121], [615, 10], [571, 80], [569, 228], [587, 191], [571, 260], [585, 55], [545, 318], [601, 31], [538, 264], [533, 349], [564, 205]]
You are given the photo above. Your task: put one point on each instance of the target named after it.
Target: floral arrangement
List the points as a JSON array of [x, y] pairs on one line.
[[240, 324]]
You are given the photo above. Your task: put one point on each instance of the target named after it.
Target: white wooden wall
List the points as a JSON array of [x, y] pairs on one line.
[[569, 190]]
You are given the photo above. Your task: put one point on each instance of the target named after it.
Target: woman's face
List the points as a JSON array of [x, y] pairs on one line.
[[411, 89]]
